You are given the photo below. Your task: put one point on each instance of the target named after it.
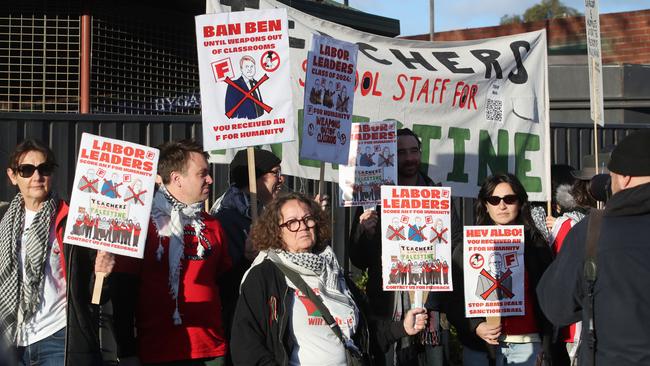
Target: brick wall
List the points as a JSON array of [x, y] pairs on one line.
[[625, 37]]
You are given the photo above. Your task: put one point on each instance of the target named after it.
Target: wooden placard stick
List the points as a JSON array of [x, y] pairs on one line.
[[252, 181], [321, 180], [97, 289]]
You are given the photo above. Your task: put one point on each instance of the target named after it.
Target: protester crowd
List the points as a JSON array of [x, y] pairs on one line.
[[223, 288]]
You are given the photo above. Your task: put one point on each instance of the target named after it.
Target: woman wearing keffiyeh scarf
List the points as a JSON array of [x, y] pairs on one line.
[[274, 320], [34, 290]]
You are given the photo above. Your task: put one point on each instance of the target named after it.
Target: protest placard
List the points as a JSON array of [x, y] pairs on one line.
[[244, 72], [493, 259], [112, 195], [328, 100], [478, 106], [371, 164], [416, 238]]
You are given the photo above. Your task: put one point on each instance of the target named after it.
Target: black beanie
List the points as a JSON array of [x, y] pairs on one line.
[[265, 161], [631, 156]]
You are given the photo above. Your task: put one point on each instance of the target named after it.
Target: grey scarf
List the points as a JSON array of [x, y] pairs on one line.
[[17, 292]]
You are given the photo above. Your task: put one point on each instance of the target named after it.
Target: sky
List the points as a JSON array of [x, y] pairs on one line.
[[461, 14]]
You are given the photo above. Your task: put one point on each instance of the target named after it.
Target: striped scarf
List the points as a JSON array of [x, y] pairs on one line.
[[17, 292]]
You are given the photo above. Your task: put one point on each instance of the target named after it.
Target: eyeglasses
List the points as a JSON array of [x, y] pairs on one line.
[[27, 170], [293, 225], [509, 199]]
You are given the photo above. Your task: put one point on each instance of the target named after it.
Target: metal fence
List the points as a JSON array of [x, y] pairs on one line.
[[569, 142]]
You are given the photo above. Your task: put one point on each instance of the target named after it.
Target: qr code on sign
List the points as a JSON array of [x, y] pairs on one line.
[[494, 110]]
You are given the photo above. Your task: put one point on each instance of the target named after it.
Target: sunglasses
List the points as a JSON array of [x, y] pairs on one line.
[[27, 170], [509, 199]]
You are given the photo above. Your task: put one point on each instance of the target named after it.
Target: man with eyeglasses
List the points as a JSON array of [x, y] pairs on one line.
[[233, 210], [365, 253]]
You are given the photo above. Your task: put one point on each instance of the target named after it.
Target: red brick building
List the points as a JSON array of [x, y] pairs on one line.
[[625, 37]]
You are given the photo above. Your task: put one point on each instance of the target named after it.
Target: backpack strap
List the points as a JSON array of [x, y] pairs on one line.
[[589, 272]]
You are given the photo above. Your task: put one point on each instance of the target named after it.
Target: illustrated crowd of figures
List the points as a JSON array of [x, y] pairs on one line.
[[111, 230], [424, 272]]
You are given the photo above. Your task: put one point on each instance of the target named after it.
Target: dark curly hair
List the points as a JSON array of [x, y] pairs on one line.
[[266, 232], [489, 185]]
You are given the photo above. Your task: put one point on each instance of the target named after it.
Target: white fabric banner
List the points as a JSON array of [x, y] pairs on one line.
[[479, 106], [243, 62], [372, 163], [493, 258], [111, 200], [416, 238], [331, 66]]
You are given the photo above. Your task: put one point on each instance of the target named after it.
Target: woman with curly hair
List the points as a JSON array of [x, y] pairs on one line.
[[275, 322]]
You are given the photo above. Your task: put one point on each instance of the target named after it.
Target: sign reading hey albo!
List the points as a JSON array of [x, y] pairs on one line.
[[479, 106]]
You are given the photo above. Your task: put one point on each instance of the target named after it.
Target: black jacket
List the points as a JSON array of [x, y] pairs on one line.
[[537, 257], [260, 336], [237, 225], [365, 253], [622, 300]]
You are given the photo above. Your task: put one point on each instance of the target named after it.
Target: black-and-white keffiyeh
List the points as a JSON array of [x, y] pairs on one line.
[[326, 267], [170, 216], [18, 293]]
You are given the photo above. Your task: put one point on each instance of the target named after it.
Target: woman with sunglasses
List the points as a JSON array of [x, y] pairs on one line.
[[39, 301], [519, 340], [275, 321]]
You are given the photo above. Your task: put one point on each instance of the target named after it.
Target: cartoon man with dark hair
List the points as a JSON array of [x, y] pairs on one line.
[[248, 109], [366, 159], [494, 284], [316, 93]]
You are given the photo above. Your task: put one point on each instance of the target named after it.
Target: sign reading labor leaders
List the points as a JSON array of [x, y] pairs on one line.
[[479, 106], [416, 238], [112, 195], [494, 270], [245, 78], [329, 96], [372, 163]]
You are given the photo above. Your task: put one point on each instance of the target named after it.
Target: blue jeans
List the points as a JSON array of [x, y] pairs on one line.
[[524, 354], [46, 352], [475, 358]]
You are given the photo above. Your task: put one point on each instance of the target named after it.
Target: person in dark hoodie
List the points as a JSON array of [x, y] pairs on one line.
[[620, 297], [233, 210]]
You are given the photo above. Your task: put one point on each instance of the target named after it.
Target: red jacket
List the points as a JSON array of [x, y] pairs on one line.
[[201, 334]]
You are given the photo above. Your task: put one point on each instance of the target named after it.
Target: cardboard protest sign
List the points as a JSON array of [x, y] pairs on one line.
[[494, 270], [329, 82], [112, 195], [372, 163], [245, 78], [416, 238], [479, 106]]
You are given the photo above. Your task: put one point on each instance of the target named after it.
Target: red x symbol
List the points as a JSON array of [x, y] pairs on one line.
[[417, 232], [112, 188], [135, 196], [496, 284], [396, 233], [386, 160], [439, 235], [89, 184], [247, 95]]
